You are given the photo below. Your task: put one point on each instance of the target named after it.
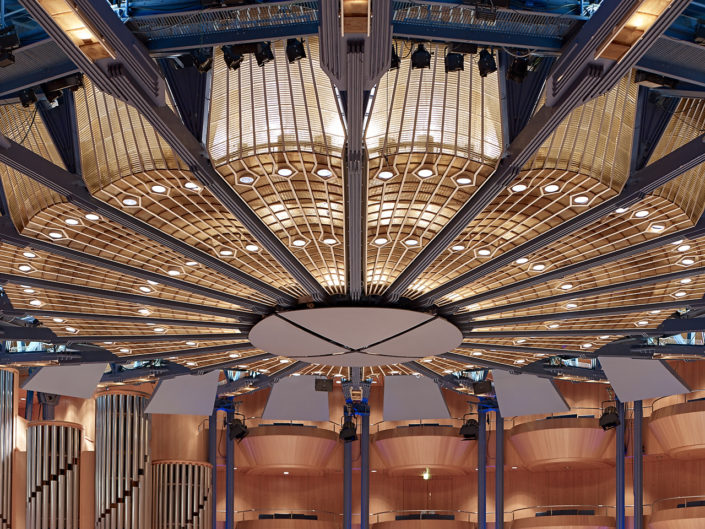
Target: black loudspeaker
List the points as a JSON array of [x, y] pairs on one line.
[[482, 388], [324, 384]]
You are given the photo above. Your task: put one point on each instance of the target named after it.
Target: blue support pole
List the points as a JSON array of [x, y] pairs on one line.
[[29, 405], [482, 471], [347, 484], [499, 472], [213, 460], [638, 466], [365, 472], [620, 509], [229, 477]]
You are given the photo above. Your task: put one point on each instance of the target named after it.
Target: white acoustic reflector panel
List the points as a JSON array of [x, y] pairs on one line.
[[526, 395], [638, 379], [185, 395], [295, 398], [72, 381], [407, 397]]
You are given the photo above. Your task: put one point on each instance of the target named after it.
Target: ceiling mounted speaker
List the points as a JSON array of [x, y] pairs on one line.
[[407, 397], [638, 379], [72, 381], [185, 395], [526, 395], [296, 398]]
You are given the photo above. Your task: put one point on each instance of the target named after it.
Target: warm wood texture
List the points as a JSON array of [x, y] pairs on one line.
[[275, 449], [179, 437], [680, 429], [424, 524], [410, 450], [561, 443], [566, 522], [690, 518], [286, 524]]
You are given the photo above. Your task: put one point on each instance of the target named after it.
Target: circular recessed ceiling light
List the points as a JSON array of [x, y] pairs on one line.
[[124, 350], [518, 188], [145, 289], [425, 173], [324, 173], [379, 241], [58, 320], [484, 252], [55, 234], [685, 281], [285, 171], [92, 216], [641, 214], [567, 286], [29, 255], [679, 294], [458, 247], [192, 186], [520, 361], [191, 263], [174, 272], [159, 329], [658, 227], [464, 180], [581, 199], [246, 179], [29, 291], [621, 210], [152, 282], [234, 355], [521, 340], [385, 175], [191, 363], [604, 337], [35, 303], [129, 201], [683, 248], [656, 311], [538, 267], [521, 260], [586, 345], [251, 247], [190, 343], [158, 189], [642, 322], [226, 253], [144, 312], [72, 330], [24, 268], [411, 242], [570, 305], [299, 242], [551, 188], [71, 222], [554, 326], [688, 261], [284, 361], [329, 241]]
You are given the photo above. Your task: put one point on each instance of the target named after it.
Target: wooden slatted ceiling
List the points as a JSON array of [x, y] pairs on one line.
[[25, 197], [138, 348], [615, 231], [620, 321], [688, 190], [123, 158], [276, 136]]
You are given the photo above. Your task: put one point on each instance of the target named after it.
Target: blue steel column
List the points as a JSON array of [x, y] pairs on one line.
[[229, 477], [365, 472], [482, 471], [638, 467], [620, 468], [499, 472], [347, 484], [213, 460]]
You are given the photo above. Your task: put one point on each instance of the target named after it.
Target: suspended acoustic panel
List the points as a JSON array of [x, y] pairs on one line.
[[53, 475], [7, 442], [526, 395], [185, 395], [409, 397], [182, 495], [122, 462], [72, 381], [296, 398], [637, 379]]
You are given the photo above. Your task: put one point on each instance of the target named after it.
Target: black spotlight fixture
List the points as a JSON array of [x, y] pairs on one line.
[[28, 97], [470, 430], [421, 58], [518, 69], [295, 50], [232, 58], [396, 61], [237, 429], [610, 418], [348, 432], [203, 59], [8, 41], [455, 62], [486, 63], [264, 53]]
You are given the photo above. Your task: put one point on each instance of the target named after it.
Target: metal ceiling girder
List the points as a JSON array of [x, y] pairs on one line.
[[614, 287], [31, 334], [126, 297], [61, 123], [640, 183], [578, 314], [653, 114], [10, 235], [39, 314], [679, 325], [188, 353], [522, 349], [97, 356], [575, 79], [117, 338], [168, 370], [233, 362], [134, 78], [445, 381], [261, 381], [72, 187], [667, 349]]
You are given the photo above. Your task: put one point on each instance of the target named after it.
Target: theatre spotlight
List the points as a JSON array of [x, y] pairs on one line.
[[295, 50], [421, 58], [348, 432], [237, 429], [610, 418], [264, 53], [486, 63], [470, 430]]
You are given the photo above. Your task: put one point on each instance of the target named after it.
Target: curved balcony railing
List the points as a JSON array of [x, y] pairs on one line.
[[678, 502], [437, 515], [538, 511], [287, 514], [664, 402]]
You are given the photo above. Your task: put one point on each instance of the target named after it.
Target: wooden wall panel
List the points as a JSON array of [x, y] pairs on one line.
[[179, 437]]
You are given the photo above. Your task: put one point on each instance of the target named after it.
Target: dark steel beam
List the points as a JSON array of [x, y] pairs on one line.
[[260, 381], [365, 471], [638, 470], [499, 472], [639, 184], [126, 297], [97, 356], [653, 113], [615, 287], [679, 325], [32, 334], [620, 450], [347, 480], [481, 469], [72, 187], [578, 314], [60, 121], [213, 460], [168, 370], [229, 475]]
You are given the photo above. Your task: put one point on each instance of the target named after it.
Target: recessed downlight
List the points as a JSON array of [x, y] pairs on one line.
[[192, 186], [29, 291], [144, 312], [298, 243], [58, 320], [686, 280], [683, 248], [159, 329], [191, 263], [521, 260], [191, 363], [246, 179], [55, 234], [285, 171], [24, 268], [174, 272], [153, 283], [581, 199], [621, 210], [518, 188], [464, 181], [158, 189], [641, 214], [92, 216], [566, 286], [29, 255], [458, 247], [72, 330], [641, 323], [380, 241], [538, 267], [324, 173], [657, 227], [145, 289], [329, 241], [680, 294], [425, 173], [554, 325], [411, 242], [251, 247], [35, 303], [551, 188], [124, 350], [385, 175], [655, 311], [129, 201], [571, 305], [484, 252], [586, 345], [226, 253], [72, 222], [688, 261]]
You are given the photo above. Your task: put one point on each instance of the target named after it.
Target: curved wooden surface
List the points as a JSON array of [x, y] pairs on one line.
[[286, 524], [56, 423], [411, 450], [562, 443], [424, 524], [579, 521], [680, 429], [179, 437], [275, 449], [688, 518]]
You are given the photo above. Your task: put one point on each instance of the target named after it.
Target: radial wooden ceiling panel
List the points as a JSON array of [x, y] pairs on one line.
[[166, 346]]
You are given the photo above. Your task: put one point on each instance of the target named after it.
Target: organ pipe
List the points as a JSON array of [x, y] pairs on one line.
[[7, 443], [182, 495], [53, 475], [122, 461]]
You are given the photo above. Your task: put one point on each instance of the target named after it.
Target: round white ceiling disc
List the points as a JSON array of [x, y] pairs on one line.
[[355, 336]]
